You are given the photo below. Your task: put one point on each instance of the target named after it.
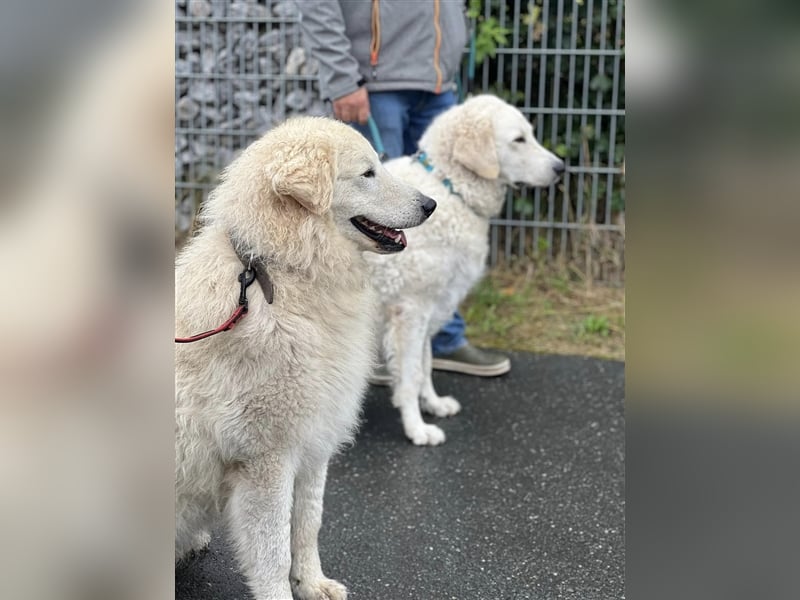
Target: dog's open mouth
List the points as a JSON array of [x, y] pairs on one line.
[[389, 240]]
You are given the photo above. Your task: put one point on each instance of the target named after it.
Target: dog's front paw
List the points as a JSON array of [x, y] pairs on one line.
[[321, 589], [426, 435], [441, 406]]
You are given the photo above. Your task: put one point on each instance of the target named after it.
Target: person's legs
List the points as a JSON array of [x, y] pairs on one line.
[[424, 110], [390, 110], [427, 107], [450, 337]]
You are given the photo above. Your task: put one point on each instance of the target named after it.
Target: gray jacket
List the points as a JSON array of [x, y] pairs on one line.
[[418, 44]]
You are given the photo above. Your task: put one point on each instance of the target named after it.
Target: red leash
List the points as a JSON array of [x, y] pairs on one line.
[[226, 326], [246, 277]]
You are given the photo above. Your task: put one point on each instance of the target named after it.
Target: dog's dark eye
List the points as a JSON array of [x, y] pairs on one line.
[[368, 173], [520, 140]]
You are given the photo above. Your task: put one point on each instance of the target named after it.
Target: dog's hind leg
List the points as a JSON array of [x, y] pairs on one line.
[[405, 338], [431, 402], [258, 513], [307, 579]]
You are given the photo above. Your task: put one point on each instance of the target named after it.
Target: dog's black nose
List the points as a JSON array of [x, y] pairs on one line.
[[559, 167], [428, 205]]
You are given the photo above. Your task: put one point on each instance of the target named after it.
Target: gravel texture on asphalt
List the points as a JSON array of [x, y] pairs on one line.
[[526, 498]]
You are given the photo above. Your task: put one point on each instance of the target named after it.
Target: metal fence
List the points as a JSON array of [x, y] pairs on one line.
[[241, 68]]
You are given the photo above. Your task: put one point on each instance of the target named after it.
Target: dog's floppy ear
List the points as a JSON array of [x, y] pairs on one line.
[[306, 174], [475, 148]]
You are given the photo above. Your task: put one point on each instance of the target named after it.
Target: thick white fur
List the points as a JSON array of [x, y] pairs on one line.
[[482, 146], [261, 408]]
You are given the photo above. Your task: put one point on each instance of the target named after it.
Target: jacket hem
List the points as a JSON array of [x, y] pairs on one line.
[[394, 86]]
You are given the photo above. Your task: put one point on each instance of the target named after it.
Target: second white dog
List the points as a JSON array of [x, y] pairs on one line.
[[469, 155]]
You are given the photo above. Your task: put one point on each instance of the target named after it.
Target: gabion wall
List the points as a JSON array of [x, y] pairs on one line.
[[240, 68]]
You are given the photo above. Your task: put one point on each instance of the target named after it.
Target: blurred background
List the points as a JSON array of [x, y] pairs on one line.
[[86, 253], [712, 285]]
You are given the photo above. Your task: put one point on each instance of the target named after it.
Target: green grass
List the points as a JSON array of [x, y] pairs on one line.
[[546, 311], [594, 325]]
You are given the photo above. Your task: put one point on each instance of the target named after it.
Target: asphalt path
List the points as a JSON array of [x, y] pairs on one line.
[[525, 500]]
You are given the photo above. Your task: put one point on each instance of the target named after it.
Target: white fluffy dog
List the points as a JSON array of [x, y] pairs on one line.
[[261, 408], [468, 156]]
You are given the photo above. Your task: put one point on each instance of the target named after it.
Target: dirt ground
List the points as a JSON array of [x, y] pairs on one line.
[[546, 310]]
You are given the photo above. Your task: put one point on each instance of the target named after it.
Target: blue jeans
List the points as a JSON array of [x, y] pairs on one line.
[[402, 117]]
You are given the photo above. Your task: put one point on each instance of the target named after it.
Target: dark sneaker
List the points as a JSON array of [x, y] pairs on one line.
[[380, 376], [473, 361]]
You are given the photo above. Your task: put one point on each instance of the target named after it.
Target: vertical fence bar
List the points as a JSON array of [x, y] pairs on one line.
[[551, 192], [500, 87], [233, 29], [614, 104], [259, 77], [181, 33], [514, 90], [598, 117], [222, 141], [543, 128], [195, 139], [568, 135], [537, 211], [515, 57], [528, 85], [583, 158], [485, 88], [210, 31], [270, 101], [528, 102], [281, 59]]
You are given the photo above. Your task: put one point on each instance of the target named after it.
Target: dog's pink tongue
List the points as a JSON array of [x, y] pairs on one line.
[[398, 235]]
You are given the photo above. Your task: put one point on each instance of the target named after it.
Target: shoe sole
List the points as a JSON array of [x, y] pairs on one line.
[[454, 366]]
